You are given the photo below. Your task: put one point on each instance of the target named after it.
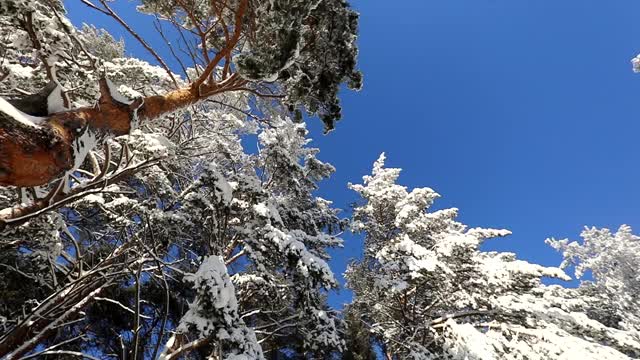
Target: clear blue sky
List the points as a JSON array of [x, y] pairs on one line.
[[523, 114]]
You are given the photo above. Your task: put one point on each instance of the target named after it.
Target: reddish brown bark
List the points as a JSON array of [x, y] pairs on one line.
[[36, 156], [32, 156]]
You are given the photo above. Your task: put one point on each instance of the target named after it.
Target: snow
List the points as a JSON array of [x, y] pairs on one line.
[[414, 258], [261, 209], [52, 60], [80, 148], [415, 202], [55, 102], [122, 68], [613, 259], [482, 234], [128, 92], [495, 306], [213, 270], [248, 279], [135, 119], [295, 260], [94, 198], [19, 116], [215, 311], [501, 269], [306, 261], [115, 94], [20, 71], [469, 343], [147, 144], [222, 187], [635, 62]]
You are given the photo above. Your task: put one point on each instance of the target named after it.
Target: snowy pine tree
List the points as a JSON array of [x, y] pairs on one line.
[[426, 290], [146, 229], [613, 260]]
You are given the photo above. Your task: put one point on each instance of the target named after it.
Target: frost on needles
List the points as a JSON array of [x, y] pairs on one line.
[[168, 235], [426, 290], [172, 238]]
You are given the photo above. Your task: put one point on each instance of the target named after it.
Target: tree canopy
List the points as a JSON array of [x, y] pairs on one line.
[[427, 290], [136, 221]]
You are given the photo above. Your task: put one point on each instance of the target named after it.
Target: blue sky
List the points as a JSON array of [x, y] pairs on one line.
[[522, 114]]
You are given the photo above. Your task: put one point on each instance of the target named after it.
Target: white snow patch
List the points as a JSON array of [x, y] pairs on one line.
[[115, 94], [19, 116], [635, 62], [55, 102], [261, 209]]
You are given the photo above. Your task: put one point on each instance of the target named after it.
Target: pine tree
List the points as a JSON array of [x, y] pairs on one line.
[[426, 290], [275, 50], [154, 232], [613, 260]]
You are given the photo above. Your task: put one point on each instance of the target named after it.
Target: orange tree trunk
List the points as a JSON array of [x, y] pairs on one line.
[[33, 156]]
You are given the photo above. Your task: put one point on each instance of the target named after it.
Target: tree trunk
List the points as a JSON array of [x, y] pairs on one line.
[[37, 155]]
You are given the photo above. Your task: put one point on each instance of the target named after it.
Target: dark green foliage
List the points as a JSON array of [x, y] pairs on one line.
[[300, 50], [309, 48]]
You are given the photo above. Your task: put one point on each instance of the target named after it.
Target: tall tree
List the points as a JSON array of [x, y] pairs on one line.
[[426, 290], [296, 51], [134, 219]]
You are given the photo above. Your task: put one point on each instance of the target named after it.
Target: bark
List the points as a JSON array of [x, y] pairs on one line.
[[21, 213], [34, 156]]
